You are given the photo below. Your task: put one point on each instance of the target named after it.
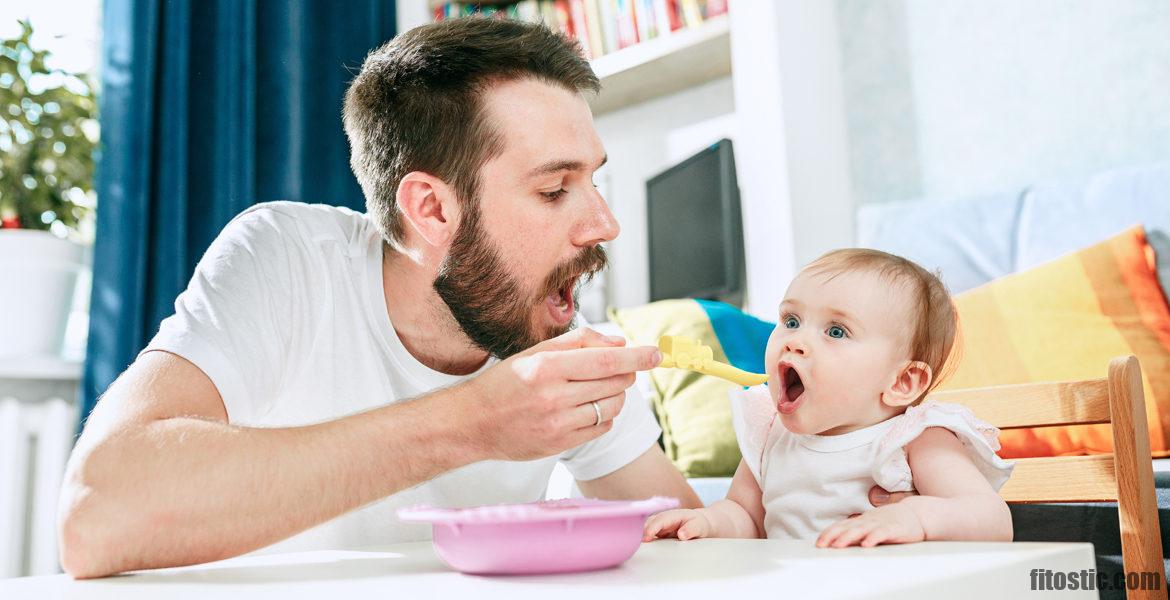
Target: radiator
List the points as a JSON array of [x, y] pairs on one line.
[[36, 436]]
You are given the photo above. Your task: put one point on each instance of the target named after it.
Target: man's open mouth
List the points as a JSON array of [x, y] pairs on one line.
[[560, 303], [791, 389]]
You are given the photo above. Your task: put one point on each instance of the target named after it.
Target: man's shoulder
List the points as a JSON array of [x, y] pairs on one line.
[[286, 220], [310, 216]]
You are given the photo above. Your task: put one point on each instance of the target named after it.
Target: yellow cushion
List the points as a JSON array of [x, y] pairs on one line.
[[1065, 320], [693, 410]]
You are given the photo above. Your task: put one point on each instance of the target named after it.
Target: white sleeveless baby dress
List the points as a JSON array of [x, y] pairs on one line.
[[812, 481]]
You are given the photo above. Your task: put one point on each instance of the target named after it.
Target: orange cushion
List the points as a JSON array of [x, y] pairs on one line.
[[1065, 320]]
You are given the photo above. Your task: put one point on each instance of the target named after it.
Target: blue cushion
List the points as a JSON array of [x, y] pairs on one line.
[[742, 336]]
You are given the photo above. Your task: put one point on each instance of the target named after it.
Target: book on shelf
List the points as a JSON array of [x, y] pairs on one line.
[[602, 26]]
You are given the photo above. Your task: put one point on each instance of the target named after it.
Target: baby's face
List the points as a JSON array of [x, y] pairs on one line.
[[839, 343]]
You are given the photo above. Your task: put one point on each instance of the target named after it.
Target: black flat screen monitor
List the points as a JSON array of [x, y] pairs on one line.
[[695, 230]]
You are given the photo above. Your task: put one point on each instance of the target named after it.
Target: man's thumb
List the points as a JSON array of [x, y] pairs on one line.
[[880, 497]]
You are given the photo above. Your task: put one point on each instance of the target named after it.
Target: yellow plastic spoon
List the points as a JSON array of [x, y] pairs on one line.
[[681, 352]]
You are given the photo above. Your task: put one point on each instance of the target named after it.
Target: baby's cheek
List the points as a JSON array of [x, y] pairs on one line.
[[772, 354]]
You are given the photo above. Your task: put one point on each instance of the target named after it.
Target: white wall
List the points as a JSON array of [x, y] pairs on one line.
[[642, 141], [966, 97], [793, 161]]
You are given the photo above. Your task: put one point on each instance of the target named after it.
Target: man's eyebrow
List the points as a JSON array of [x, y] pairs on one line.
[[555, 166]]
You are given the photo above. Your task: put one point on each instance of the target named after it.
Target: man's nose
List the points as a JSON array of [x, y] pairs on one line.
[[600, 226]]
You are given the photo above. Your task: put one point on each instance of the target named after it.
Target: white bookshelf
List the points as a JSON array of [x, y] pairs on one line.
[[662, 66], [658, 67]]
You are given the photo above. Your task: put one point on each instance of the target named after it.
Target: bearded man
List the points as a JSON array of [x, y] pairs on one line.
[[325, 367]]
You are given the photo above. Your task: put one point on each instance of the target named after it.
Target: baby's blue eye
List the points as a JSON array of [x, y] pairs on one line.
[[791, 323], [836, 331]]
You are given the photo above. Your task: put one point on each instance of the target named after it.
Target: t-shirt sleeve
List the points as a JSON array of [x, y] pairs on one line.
[[752, 417], [891, 468], [634, 430], [232, 319]]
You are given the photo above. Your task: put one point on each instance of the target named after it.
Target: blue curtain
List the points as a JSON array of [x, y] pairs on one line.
[[208, 107]]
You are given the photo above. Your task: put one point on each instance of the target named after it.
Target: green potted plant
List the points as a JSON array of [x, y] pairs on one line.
[[48, 138]]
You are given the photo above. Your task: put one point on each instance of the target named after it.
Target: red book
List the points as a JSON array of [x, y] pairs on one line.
[[672, 12], [564, 20], [580, 26]]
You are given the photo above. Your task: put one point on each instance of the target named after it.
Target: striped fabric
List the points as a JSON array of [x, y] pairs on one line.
[[1065, 319]]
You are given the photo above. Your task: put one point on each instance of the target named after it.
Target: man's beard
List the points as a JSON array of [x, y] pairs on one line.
[[494, 310]]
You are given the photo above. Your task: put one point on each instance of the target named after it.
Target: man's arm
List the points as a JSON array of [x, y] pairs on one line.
[[651, 474], [159, 478]]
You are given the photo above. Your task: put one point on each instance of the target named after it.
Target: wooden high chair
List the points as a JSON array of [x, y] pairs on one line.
[[1126, 476]]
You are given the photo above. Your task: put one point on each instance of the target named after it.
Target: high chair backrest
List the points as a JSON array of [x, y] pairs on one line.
[[1126, 476]]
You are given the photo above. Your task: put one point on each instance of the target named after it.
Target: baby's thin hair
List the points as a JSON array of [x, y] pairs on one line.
[[936, 326]]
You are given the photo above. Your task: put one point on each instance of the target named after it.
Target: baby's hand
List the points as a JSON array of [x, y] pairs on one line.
[[683, 523], [890, 524]]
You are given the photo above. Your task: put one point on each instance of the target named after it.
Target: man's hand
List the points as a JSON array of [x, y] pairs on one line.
[[538, 402], [878, 496]]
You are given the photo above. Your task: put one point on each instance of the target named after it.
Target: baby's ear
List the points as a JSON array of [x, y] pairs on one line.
[[913, 379]]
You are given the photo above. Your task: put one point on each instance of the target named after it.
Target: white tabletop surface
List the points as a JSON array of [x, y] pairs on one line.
[[663, 570]]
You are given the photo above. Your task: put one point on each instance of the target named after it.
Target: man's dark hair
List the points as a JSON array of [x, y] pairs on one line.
[[417, 103]]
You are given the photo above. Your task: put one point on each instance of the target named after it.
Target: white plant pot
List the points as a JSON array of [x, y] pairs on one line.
[[38, 272]]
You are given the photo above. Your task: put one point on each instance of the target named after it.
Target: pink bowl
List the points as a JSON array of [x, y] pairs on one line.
[[558, 536]]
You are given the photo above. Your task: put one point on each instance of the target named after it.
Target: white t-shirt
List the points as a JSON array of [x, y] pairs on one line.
[[809, 482], [286, 315]]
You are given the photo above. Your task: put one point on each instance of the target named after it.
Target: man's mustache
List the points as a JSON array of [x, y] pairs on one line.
[[589, 262]]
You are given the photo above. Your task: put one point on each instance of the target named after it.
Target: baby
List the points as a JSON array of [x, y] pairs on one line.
[[862, 338]]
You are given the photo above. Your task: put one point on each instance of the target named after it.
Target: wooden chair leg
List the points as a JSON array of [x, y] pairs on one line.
[[1137, 507]]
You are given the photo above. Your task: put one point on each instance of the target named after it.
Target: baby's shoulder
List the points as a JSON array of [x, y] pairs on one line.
[[956, 418], [752, 417], [979, 438]]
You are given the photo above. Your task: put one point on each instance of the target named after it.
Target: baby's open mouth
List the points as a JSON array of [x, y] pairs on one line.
[[791, 389]]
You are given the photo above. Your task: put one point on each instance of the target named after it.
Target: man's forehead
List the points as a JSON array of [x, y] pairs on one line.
[[545, 128]]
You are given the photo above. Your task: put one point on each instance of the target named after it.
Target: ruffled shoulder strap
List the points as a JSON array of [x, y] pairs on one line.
[[752, 416], [981, 439]]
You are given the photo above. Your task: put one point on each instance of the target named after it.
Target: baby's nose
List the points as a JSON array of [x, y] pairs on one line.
[[795, 346]]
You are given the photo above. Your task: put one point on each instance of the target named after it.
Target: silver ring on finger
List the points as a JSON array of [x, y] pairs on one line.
[[597, 411]]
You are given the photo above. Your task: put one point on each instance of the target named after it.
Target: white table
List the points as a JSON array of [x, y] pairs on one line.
[[662, 570]]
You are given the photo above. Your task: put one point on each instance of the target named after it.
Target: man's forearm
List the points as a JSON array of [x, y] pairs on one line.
[[201, 490]]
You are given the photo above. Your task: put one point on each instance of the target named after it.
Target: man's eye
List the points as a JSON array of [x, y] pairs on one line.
[[555, 195], [791, 322], [836, 331]]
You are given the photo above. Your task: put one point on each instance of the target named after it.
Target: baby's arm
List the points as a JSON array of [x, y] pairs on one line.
[[956, 502], [739, 515]]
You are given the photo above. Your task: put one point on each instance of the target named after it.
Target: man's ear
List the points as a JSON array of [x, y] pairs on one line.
[[428, 206], [913, 379]]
